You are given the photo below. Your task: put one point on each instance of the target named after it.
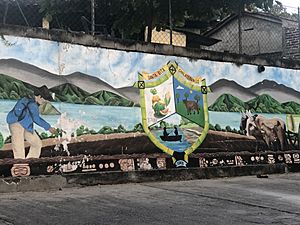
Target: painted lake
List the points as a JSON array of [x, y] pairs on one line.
[[95, 116]]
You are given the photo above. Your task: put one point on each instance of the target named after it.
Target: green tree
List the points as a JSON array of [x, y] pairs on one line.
[[228, 129], [279, 10], [153, 91], [138, 128], [129, 18], [163, 124], [212, 127], [186, 95], [197, 98], [218, 127], [1, 140], [177, 96], [49, 9], [106, 130], [121, 129]]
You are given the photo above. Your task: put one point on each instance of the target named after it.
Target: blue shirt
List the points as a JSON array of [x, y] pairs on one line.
[[26, 112]]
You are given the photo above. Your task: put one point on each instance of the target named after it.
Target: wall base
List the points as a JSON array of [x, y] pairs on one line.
[[57, 182]]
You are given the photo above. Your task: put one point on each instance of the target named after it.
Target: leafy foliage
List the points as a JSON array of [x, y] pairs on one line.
[[279, 10], [212, 127], [106, 130], [186, 95], [120, 129], [129, 18], [138, 128], [153, 91], [218, 127], [1, 140]]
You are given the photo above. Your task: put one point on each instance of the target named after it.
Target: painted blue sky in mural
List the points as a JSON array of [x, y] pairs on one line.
[[119, 68], [182, 90]]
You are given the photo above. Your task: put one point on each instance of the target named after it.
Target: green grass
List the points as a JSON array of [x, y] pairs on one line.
[[196, 118]]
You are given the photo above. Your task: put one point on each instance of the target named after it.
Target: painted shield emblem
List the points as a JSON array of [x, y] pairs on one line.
[[174, 110]]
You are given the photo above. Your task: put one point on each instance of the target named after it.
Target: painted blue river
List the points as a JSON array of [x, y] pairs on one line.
[[95, 117], [178, 146]]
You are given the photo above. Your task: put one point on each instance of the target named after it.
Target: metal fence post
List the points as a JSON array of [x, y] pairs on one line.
[[170, 21], [93, 17], [299, 28], [240, 30], [5, 12], [21, 11]]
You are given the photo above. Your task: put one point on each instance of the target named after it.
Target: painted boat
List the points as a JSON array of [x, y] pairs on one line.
[[171, 138]]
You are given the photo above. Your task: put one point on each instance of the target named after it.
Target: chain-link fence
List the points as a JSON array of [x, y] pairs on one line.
[[245, 33], [257, 33], [114, 19]]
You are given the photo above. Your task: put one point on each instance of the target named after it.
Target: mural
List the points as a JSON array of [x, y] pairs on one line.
[[100, 124]]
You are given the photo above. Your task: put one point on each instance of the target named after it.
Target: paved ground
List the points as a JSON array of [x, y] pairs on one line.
[[232, 201]]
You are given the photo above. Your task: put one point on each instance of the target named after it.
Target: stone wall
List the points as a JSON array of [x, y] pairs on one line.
[[292, 43]]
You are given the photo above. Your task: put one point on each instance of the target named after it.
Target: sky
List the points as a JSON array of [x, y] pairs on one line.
[[120, 68], [291, 5]]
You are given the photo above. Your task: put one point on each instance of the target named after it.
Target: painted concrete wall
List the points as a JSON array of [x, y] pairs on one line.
[[96, 107]]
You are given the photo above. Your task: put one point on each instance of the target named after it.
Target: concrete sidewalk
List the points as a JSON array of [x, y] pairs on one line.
[[243, 200]]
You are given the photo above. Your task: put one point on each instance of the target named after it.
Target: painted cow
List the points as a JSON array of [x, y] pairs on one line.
[[270, 136], [191, 106], [272, 131]]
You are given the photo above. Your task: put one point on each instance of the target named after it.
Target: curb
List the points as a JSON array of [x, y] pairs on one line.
[[57, 182]]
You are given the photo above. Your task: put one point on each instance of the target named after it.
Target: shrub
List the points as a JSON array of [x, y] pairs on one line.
[[211, 127], [138, 128], [121, 129], [106, 130], [43, 135], [228, 129], [1, 140], [218, 127]]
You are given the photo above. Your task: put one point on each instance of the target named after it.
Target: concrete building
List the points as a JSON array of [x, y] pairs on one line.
[[256, 34]]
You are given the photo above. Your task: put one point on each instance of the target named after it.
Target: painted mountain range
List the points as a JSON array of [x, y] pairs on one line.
[[277, 91], [19, 79], [240, 95], [85, 89], [266, 96], [11, 88], [262, 104]]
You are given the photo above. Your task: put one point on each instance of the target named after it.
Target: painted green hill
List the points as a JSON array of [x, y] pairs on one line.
[[228, 103], [261, 104], [291, 107], [48, 109], [73, 94], [265, 103], [69, 93], [107, 98], [11, 88]]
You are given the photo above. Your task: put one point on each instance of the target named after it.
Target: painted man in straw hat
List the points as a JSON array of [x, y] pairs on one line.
[[20, 121]]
